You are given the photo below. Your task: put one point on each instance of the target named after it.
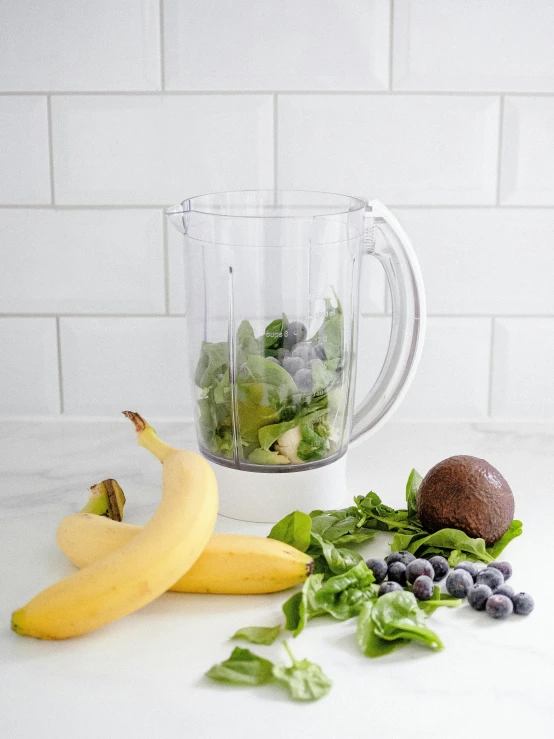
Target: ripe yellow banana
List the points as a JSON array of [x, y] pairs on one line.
[[138, 572], [229, 564]]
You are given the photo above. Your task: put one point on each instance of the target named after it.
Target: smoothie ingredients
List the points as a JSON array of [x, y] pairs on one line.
[[523, 604], [469, 494], [145, 567], [490, 577], [499, 606], [378, 567], [423, 587], [440, 567], [459, 583], [419, 567], [470, 567], [303, 680], [504, 567], [478, 597], [286, 405]]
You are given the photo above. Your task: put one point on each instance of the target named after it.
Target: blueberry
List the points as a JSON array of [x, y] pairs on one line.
[[303, 350], [506, 590], [319, 352], [303, 380], [378, 567], [499, 606], [294, 333], [459, 583], [423, 587], [470, 567], [388, 587], [282, 353], [490, 577], [440, 567], [397, 573], [478, 597], [401, 556], [418, 567], [504, 567], [523, 604], [274, 359], [293, 365]]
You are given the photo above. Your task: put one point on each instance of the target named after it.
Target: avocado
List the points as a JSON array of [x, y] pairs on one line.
[[466, 493]]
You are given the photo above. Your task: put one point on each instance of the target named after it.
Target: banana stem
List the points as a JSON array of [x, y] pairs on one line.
[[106, 499], [147, 437]]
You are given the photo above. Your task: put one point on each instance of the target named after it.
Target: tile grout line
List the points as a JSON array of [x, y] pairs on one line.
[[499, 153], [275, 142], [166, 263], [391, 41], [50, 148], [157, 206], [162, 46], [462, 316], [397, 92], [60, 372], [491, 367]]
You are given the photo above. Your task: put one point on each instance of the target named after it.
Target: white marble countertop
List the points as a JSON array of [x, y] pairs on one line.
[[143, 676]]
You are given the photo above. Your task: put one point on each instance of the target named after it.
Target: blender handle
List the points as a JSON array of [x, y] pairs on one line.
[[386, 240]]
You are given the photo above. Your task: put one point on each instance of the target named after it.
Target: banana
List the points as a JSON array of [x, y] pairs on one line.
[[230, 563], [143, 568]]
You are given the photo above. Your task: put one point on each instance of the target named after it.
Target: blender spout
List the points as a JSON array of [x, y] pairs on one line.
[[179, 216]]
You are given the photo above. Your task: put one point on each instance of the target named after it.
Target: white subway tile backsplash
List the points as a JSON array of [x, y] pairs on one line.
[[110, 364], [456, 45], [523, 368], [146, 150], [401, 149], [528, 151], [484, 260], [75, 46], [81, 261], [29, 381], [305, 45], [176, 266], [452, 380], [24, 163]]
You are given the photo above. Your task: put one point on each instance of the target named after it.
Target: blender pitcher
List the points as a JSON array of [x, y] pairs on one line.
[[273, 281]]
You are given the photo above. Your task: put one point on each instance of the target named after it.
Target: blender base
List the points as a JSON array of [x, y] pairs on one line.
[[266, 497]]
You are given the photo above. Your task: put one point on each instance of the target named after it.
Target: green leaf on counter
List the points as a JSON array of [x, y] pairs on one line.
[[392, 621], [295, 529], [343, 595], [439, 599], [444, 539], [258, 634], [300, 607], [242, 668], [339, 560], [412, 487], [304, 680], [516, 529]]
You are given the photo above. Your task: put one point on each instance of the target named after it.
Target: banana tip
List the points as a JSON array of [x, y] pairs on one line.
[[138, 420], [16, 622]]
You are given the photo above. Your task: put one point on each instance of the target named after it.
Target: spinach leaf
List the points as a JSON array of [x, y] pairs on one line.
[[214, 359], [369, 642], [242, 668], [258, 634], [314, 444], [439, 599], [268, 435], [207, 422], [446, 539], [274, 334], [394, 618], [412, 487], [247, 344], [331, 332], [305, 681], [300, 607], [343, 595], [339, 560], [295, 529], [516, 529]]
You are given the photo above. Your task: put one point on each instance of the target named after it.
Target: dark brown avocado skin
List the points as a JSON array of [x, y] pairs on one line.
[[466, 493]]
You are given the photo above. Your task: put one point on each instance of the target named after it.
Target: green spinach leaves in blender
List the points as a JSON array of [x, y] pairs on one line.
[[287, 390]]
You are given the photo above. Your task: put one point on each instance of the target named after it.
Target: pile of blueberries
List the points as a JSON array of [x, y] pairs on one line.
[[297, 354], [485, 589]]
